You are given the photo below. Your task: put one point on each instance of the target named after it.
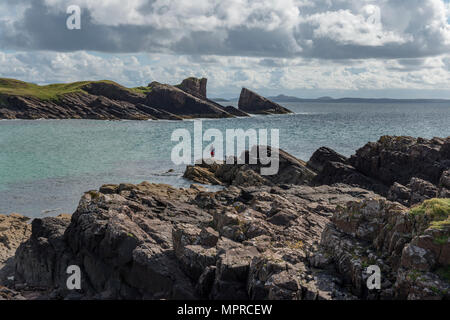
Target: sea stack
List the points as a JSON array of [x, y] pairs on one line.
[[194, 86], [252, 102], [182, 103]]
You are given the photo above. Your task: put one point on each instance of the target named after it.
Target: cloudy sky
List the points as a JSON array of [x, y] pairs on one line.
[[307, 48]]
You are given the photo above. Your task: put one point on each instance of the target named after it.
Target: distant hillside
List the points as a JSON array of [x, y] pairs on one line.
[[220, 100], [284, 98]]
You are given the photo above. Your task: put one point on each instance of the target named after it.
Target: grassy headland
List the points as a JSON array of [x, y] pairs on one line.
[[53, 91]]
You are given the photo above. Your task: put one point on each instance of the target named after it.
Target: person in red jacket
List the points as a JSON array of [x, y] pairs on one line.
[[213, 151]]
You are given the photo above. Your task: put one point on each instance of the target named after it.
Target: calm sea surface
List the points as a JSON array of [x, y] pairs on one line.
[[46, 165]]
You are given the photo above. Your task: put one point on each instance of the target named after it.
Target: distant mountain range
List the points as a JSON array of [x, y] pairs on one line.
[[284, 98]]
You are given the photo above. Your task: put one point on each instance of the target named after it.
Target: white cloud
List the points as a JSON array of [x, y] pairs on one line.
[[229, 74], [358, 29], [269, 45], [331, 29]]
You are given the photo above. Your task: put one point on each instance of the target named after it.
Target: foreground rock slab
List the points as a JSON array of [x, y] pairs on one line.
[[14, 229], [410, 246], [156, 242], [284, 236]]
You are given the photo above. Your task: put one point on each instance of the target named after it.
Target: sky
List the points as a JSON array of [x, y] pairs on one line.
[[305, 48]]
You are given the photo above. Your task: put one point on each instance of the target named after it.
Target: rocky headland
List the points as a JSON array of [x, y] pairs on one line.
[[107, 100], [307, 233]]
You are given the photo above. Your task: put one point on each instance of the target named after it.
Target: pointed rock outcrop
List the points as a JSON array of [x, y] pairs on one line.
[[174, 100], [194, 86], [252, 102]]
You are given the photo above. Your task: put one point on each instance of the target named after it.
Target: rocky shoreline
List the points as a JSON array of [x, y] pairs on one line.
[[307, 233], [107, 100]]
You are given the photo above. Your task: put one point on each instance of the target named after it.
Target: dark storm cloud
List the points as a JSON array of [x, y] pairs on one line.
[[41, 29], [325, 30]]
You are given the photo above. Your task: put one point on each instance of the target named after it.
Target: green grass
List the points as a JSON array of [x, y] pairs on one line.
[[143, 90], [438, 210], [53, 91]]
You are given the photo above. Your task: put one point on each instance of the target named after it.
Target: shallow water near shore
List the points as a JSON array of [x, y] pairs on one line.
[[46, 165]]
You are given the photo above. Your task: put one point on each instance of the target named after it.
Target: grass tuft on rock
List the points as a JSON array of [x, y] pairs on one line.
[[437, 210]]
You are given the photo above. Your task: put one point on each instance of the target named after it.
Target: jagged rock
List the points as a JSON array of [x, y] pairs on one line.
[[9, 294], [322, 156], [106, 100], [389, 167], [43, 259], [416, 285], [282, 239], [109, 189], [247, 177], [399, 240], [201, 175], [421, 190], [290, 170], [194, 86], [194, 251], [176, 101], [156, 242], [14, 229], [399, 193], [338, 172], [444, 184], [398, 159], [209, 237], [416, 191], [120, 244], [232, 272], [269, 279], [253, 103], [206, 281]]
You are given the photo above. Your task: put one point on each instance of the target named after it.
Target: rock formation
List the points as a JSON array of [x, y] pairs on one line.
[[387, 166], [176, 101], [107, 100], [251, 102], [194, 86], [156, 242], [324, 155], [291, 170], [411, 246], [235, 112], [14, 229], [398, 159], [284, 236]]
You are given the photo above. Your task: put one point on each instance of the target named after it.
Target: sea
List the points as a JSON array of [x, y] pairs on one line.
[[47, 165]]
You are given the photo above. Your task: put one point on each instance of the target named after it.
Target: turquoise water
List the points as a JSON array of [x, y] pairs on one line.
[[46, 165]]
